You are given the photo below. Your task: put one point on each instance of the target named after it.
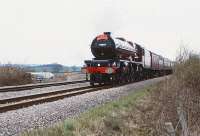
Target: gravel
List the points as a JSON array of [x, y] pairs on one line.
[[47, 114]]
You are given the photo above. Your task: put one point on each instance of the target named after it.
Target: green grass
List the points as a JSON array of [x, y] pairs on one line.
[[108, 119]]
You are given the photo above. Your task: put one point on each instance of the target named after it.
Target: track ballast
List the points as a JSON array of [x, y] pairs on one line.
[[26, 101]]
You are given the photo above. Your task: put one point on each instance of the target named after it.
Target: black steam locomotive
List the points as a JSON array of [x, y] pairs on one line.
[[118, 60]]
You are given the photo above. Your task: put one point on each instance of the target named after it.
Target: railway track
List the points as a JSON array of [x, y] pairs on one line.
[[35, 99], [27, 87], [25, 101]]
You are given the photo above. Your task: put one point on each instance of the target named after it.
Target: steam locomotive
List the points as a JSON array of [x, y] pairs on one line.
[[117, 60]]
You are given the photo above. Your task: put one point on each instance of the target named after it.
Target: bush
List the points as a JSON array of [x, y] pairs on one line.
[[14, 76]]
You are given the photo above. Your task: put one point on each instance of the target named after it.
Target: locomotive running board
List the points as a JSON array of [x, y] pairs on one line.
[[103, 61]]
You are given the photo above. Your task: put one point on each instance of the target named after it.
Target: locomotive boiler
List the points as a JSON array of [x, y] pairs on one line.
[[107, 47]]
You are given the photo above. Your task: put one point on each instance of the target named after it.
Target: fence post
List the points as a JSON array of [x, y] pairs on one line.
[[182, 121], [170, 129]]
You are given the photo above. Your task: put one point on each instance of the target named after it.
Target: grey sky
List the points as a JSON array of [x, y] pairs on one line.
[[47, 31]]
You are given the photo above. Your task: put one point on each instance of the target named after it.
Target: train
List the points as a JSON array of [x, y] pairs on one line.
[[117, 60]]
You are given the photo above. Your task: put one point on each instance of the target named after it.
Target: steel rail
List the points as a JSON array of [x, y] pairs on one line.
[[33, 86], [34, 96]]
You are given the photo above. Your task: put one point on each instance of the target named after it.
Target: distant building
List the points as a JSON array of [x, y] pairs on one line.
[[39, 76]]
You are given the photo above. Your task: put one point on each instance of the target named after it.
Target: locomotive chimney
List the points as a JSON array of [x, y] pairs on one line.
[[107, 33]]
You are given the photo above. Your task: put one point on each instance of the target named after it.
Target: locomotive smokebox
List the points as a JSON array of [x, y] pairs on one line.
[[103, 46]]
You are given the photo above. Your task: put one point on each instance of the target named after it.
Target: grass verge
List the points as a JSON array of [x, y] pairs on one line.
[[113, 118]]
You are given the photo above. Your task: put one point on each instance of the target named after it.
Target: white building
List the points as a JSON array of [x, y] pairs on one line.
[[42, 75]]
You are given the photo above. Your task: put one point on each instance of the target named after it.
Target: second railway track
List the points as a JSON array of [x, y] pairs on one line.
[[25, 101], [33, 86]]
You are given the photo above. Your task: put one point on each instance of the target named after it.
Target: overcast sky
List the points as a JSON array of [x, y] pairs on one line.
[[48, 31]]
